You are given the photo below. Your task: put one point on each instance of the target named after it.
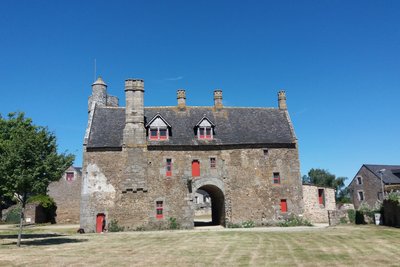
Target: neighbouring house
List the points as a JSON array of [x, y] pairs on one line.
[[66, 193], [318, 201], [366, 186], [144, 165]]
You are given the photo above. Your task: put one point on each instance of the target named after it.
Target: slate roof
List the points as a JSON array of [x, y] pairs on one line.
[[390, 175], [233, 126]]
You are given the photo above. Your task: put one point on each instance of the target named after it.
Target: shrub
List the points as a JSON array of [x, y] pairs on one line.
[[13, 215], [114, 227], [352, 216], [294, 221], [234, 225], [248, 224], [343, 220], [173, 224], [394, 197]]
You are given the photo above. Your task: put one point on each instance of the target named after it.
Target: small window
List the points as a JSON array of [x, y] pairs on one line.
[[360, 195], [321, 196], [265, 151], [213, 162], [195, 168], [157, 133], [277, 178], [168, 167], [205, 132], [359, 180], [159, 210], [283, 205], [69, 176], [380, 196]]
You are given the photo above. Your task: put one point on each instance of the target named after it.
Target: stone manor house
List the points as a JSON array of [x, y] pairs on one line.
[[144, 165]]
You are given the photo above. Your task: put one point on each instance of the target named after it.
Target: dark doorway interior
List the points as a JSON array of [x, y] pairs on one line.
[[217, 206]]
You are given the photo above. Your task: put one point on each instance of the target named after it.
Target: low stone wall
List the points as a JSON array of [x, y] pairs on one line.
[[391, 213]]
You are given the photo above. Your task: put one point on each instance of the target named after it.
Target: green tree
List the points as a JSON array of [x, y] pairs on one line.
[[321, 177], [28, 160]]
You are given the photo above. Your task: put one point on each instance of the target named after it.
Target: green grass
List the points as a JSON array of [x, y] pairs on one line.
[[336, 246]]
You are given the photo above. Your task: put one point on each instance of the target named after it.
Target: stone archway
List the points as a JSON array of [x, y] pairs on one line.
[[215, 189]]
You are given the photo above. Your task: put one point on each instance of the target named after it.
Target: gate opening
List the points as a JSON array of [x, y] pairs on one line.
[[209, 206]]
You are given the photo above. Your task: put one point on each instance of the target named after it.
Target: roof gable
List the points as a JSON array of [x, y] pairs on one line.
[[158, 121]]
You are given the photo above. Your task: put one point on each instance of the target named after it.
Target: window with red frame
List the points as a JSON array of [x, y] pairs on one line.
[[205, 132], [283, 205], [213, 162], [195, 168], [158, 134], [168, 167], [159, 210], [276, 178], [69, 176]]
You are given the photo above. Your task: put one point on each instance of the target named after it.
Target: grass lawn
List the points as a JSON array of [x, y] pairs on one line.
[[334, 246]]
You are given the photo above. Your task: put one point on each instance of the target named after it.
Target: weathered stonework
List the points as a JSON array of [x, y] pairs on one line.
[[314, 211], [66, 193], [128, 182]]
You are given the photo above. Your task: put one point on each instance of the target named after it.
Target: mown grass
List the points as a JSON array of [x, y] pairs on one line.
[[336, 246]]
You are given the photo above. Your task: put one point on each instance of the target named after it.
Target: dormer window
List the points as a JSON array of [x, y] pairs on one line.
[[205, 129], [158, 128], [158, 133]]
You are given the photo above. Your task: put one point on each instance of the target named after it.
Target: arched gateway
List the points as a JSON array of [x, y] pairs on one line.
[[215, 189]]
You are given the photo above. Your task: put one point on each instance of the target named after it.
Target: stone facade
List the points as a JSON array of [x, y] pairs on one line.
[[126, 177], [66, 193], [317, 202], [366, 186]]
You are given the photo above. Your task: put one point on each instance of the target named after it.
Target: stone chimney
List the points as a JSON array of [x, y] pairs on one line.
[[134, 132], [282, 100], [218, 99], [181, 96]]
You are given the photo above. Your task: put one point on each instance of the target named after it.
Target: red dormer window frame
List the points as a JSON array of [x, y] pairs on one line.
[[158, 133], [205, 132]]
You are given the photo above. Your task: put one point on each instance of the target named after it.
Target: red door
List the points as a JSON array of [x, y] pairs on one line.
[[283, 205], [195, 168], [99, 222]]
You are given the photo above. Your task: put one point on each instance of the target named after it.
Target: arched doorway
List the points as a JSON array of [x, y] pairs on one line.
[[217, 199]]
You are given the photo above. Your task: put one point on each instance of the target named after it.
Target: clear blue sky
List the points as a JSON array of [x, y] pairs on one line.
[[339, 62]]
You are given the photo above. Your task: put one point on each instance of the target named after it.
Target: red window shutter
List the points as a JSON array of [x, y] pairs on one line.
[[283, 205], [195, 168], [159, 210], [168, 167], [321, 197]]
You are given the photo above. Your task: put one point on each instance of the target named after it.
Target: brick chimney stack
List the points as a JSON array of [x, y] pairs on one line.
[[134, 132], [218, 99], [181, 96], [282, 100]]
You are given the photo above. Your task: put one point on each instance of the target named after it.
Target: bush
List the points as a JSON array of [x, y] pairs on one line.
[[294, 221], [114, 227], [245, 224], [352, 216], [343, 220], [13, 215], [173, 224], [248, 224], [394, 197]]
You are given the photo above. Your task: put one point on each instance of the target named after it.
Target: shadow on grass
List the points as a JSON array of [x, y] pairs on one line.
[[47, 241], [29, 236]]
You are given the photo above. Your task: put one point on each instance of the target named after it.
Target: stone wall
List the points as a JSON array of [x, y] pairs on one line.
[[242, 183], [313, 210], [67, 195], [371, 187]]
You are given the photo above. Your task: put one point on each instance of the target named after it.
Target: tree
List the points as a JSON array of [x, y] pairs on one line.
[[321, 177], [28, 160]]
